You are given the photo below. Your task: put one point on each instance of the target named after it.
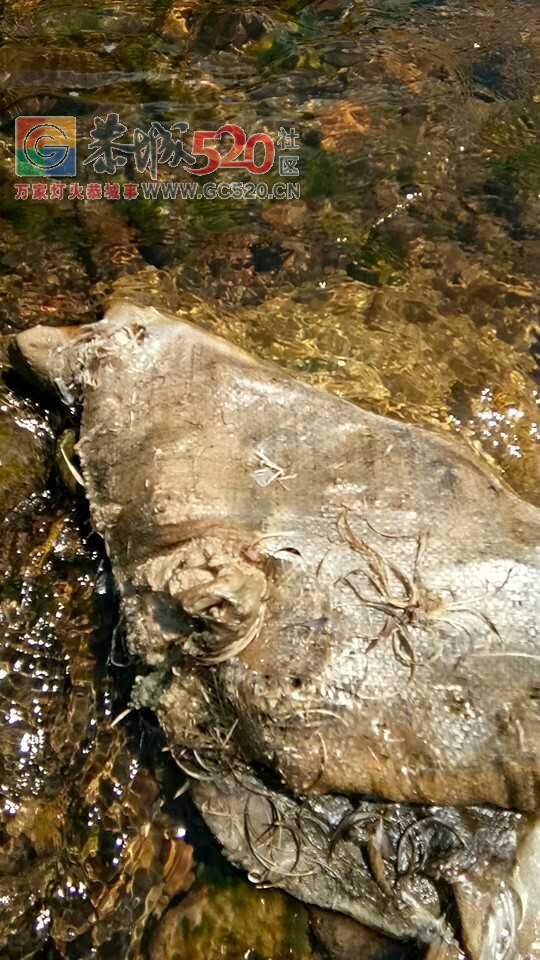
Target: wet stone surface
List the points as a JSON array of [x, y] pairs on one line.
[[83, 845]]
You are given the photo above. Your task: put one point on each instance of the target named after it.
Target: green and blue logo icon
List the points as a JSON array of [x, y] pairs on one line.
[[45, 146]]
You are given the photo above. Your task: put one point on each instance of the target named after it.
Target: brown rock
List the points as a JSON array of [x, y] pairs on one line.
[[345, 939]]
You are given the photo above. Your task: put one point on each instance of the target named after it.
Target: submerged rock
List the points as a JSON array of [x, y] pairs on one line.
[[345, 939], [25, 451], [230, 919], [86, 855], [336, 602]]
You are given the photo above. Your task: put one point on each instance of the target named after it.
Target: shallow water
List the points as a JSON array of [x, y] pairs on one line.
[[403, 278]]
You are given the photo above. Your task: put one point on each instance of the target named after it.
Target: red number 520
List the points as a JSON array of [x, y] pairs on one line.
[[240, 145]]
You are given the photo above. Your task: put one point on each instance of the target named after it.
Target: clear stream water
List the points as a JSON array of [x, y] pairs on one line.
[[403, 277]]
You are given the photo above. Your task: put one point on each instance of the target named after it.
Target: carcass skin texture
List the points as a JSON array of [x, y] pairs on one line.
[[346, 603], [389, 866], [178, 431]]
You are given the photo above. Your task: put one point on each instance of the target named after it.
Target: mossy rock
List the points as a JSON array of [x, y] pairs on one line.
[[25, 449], [234, 921]]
